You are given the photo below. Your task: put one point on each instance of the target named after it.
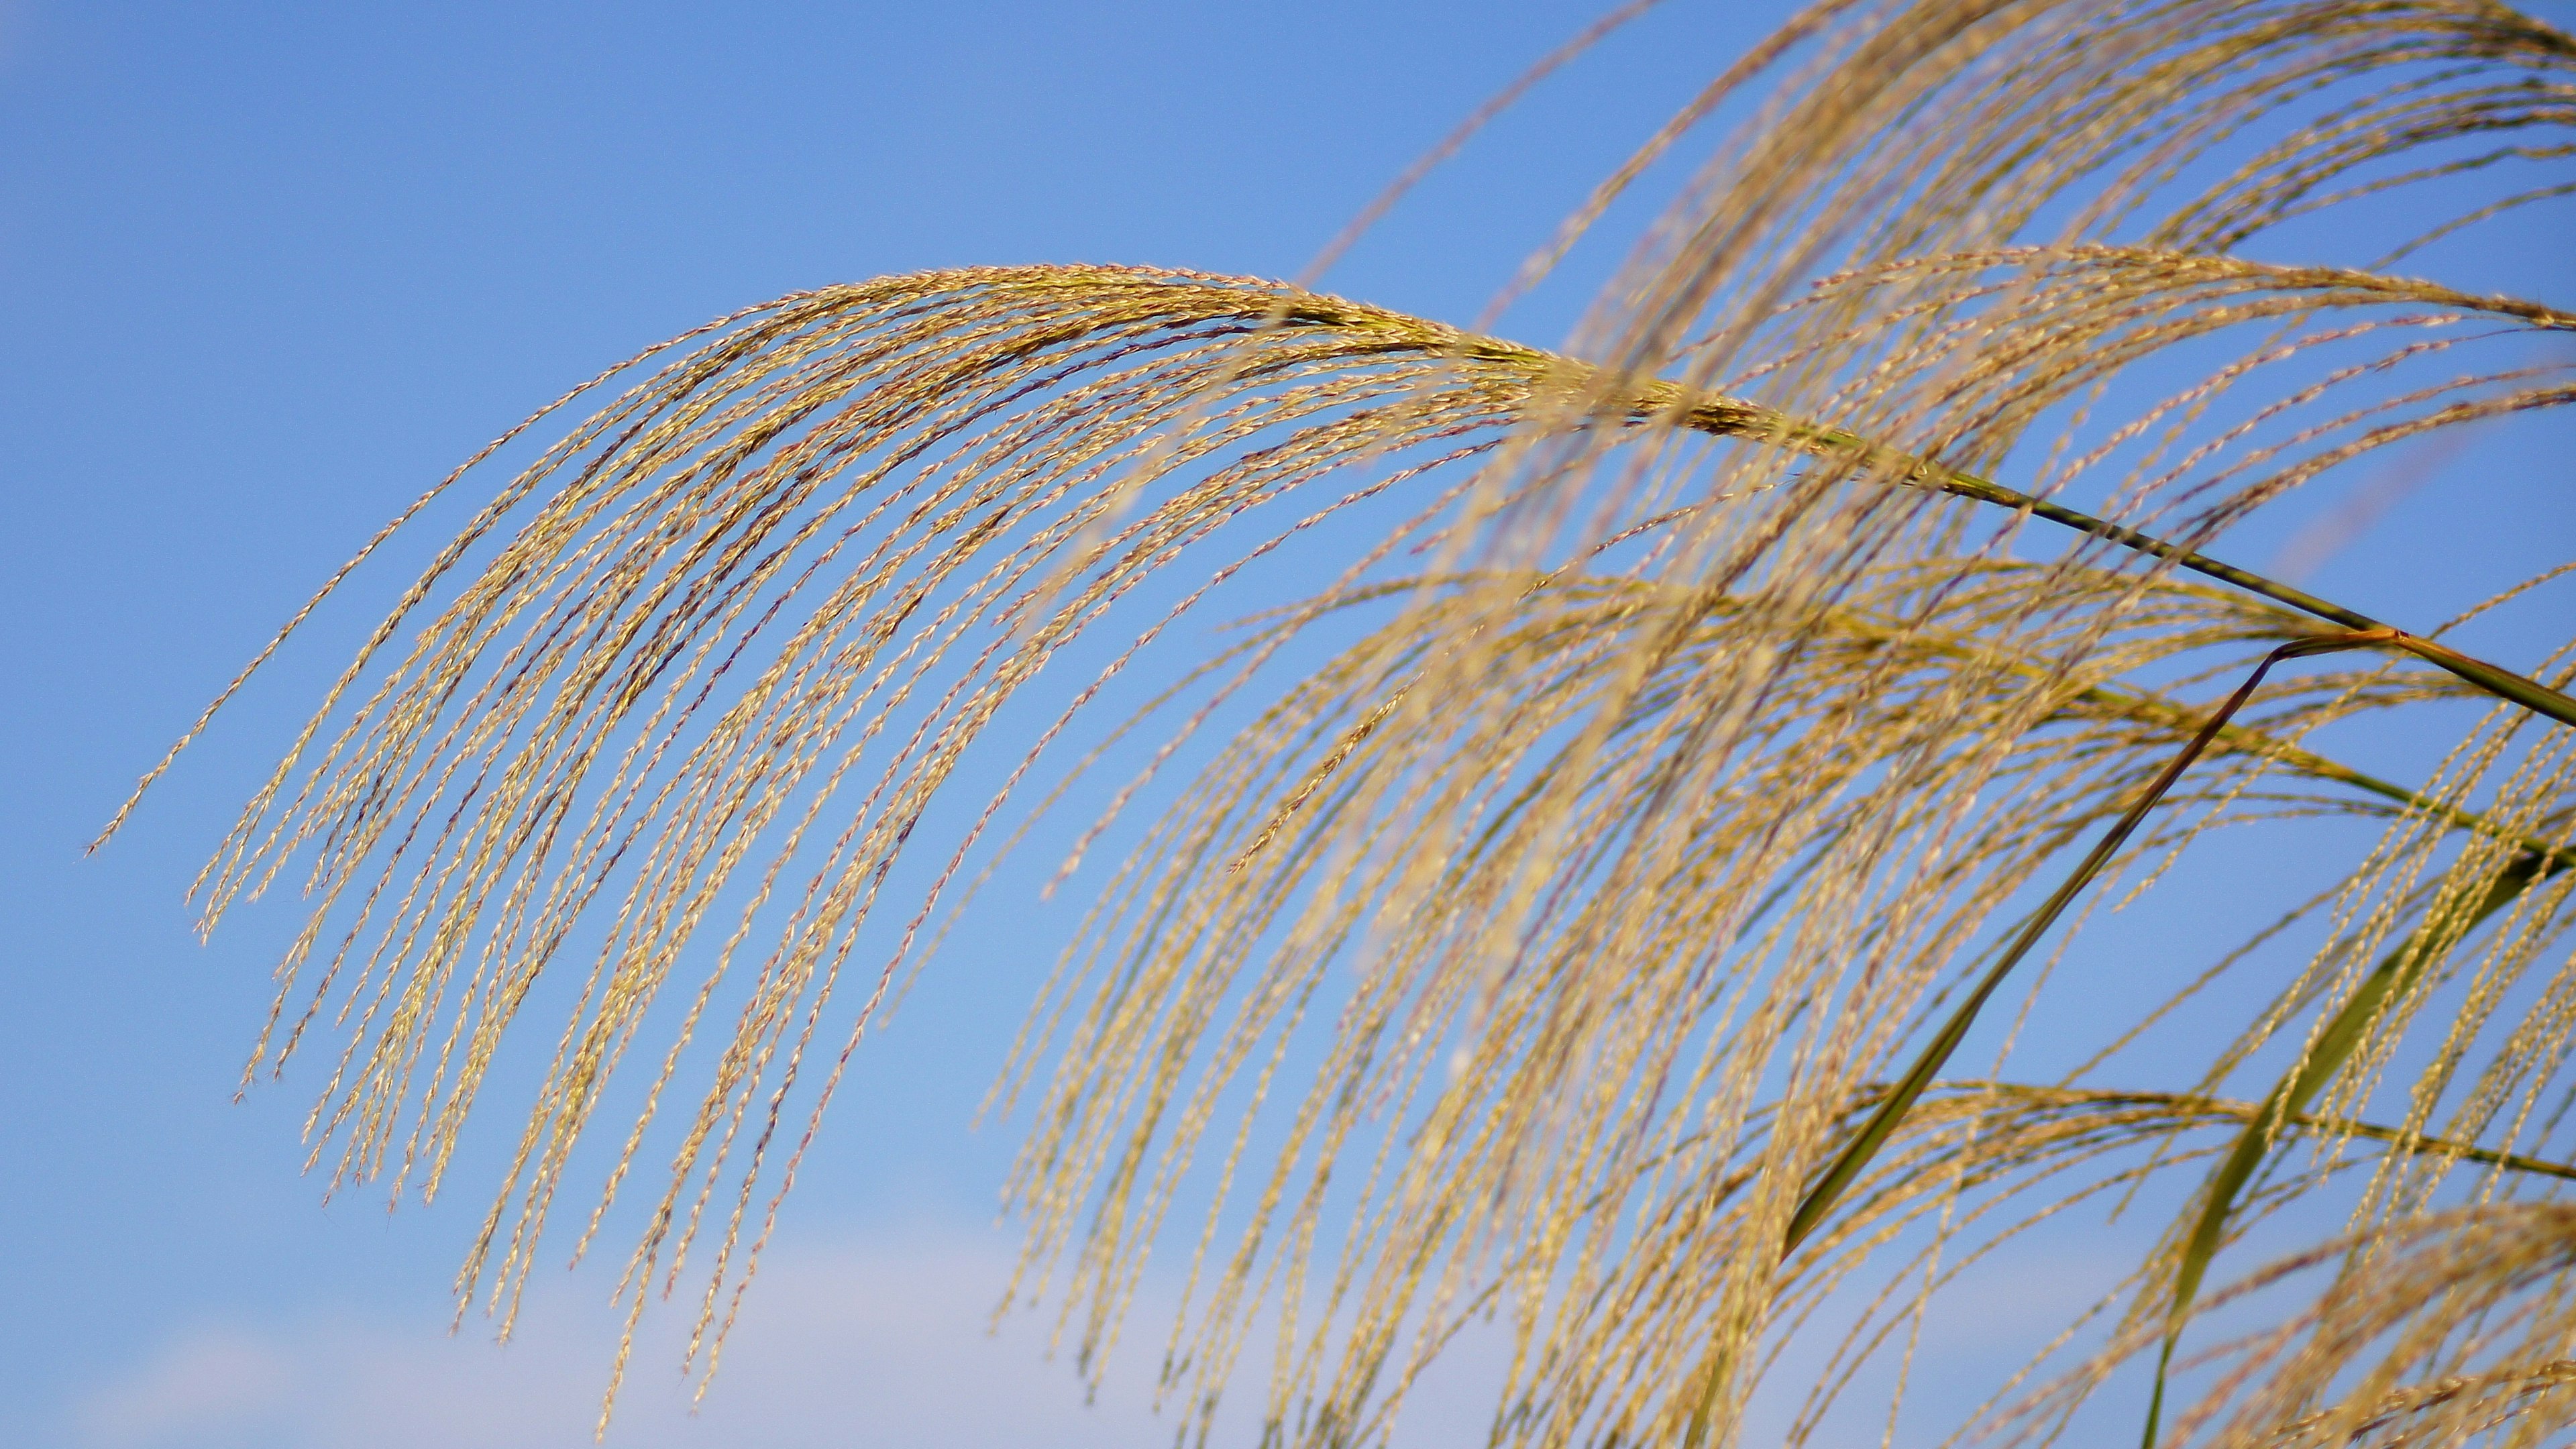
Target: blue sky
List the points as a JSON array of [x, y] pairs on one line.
[[269, 271]]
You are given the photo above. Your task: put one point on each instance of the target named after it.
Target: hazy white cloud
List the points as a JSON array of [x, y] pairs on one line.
[[881, 1344], [208, 1381]]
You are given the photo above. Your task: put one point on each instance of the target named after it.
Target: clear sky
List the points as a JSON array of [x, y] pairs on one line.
[[267, 271]]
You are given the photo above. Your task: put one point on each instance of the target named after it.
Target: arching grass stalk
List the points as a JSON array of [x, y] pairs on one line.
[[2224, 1108], [1730, 419]]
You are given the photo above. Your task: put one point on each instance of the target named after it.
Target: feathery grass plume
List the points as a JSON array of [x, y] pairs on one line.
[[1688, 731]]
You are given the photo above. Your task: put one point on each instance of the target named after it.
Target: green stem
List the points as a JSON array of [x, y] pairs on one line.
[[1732, 419], [2324, 1126], [2239, 739]]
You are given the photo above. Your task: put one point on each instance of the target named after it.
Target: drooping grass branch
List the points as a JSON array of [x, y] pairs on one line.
[[1735, 418], [1651, 864], [986, 342], [2502, 683], [1740, 419]]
